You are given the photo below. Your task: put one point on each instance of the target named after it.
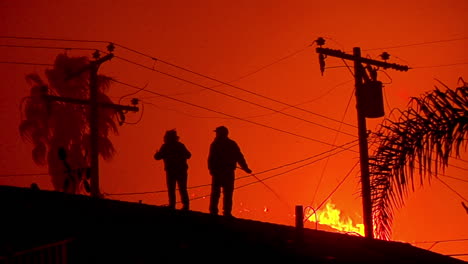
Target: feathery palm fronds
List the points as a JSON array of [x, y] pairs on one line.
[[414, 148], [59, 127]]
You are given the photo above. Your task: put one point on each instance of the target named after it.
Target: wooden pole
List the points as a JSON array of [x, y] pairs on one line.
[[299, 223], [94, 123], [363, 147]]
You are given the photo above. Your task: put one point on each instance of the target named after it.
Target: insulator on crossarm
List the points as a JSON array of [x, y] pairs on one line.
[[111, 47], [385, 56], [96, 54], [320, 41], [322, 63], [135, 101]]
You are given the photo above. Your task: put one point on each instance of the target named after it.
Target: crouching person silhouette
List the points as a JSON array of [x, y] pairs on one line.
[[223, 157], [175, 155]]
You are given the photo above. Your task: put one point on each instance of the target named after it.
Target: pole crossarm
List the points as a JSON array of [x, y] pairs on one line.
[[345, 56], [86, 102]]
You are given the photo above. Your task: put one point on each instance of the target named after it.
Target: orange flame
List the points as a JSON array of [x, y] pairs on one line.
[[331, 216]]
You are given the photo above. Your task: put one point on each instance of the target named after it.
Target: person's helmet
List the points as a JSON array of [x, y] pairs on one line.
[[222, 131]]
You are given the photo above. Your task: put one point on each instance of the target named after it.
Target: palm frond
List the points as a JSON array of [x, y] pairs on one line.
[[420, 142], [52, 125]]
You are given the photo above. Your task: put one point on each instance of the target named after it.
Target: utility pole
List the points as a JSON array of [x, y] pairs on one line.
[[94, 123], [364, 87], [94, 106]]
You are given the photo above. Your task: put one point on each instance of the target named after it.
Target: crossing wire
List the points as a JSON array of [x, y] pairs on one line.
[[210, 88], [232, 96], [338, 149], [222, 113]]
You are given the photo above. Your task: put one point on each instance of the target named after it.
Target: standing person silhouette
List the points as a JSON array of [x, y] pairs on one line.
[[175, 156], [223, 157]]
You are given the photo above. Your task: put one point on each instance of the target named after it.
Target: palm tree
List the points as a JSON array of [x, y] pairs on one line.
[[59, 131], [415, 148]]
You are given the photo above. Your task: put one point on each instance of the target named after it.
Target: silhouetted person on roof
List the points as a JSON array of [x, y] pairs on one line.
[[175, 155], [223, 158]]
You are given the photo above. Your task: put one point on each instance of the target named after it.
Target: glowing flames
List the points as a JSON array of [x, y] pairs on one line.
[[331, 216]]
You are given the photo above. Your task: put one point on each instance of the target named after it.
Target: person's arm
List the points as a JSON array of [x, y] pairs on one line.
[[159, 155], [241, 161], [187, 153]]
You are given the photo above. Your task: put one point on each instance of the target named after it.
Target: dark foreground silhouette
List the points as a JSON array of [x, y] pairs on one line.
[[223, 158], [175, 155]]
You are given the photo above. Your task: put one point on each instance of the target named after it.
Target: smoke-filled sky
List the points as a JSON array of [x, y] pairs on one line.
[[265, 50]]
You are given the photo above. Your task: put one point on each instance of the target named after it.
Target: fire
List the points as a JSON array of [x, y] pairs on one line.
[[331, 216]]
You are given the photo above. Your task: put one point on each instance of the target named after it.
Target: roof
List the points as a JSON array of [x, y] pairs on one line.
[[104, 230]]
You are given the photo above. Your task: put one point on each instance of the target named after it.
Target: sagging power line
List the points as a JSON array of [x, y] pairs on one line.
[[212, 89], [317, 156], [222, 113], [153, 58]]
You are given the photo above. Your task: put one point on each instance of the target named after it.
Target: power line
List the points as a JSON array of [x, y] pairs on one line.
[[54, 39], [341, 149], [458, 167], [281, 173], [440, 241], [326, 163], [455, 178], [332, 192], [205, 87], [417, 44], [186, 81], [271, 190], [146, 55], [434, 243], [22, 174], [228, 84], [269, 64], [347, 66], [222, 113], [139, 118], [181, 112], [239, 78], [48, 64], [337, 186], [232, 96], [26, 63], [185, 69], [308, 101], [285, 165], [440, 65], [453, 190], [306, 164], [45, 47]]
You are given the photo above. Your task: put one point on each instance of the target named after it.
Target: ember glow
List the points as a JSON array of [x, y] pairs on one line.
[[331, 216]]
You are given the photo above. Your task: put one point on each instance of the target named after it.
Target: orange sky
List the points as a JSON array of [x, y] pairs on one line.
[[227, 41]]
